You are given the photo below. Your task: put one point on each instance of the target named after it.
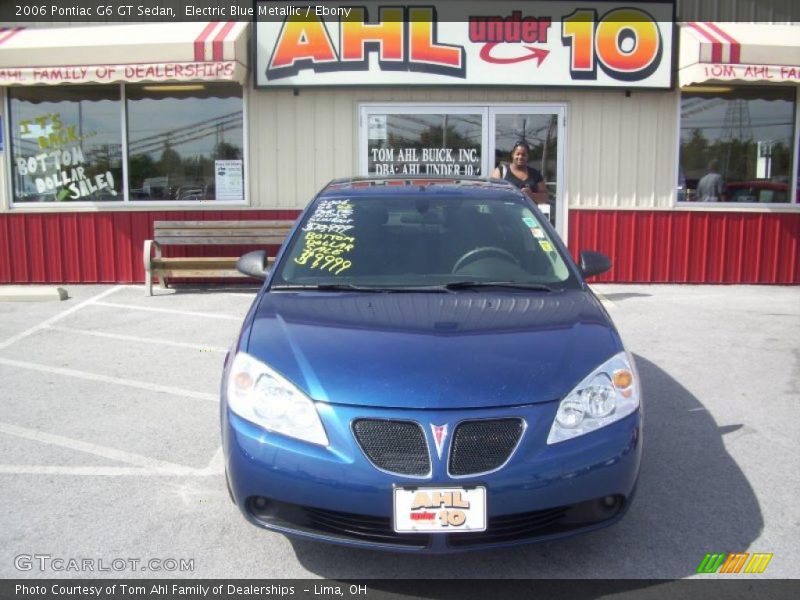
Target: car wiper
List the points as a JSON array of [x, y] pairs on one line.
[[325, 287], [349, 287], [517, 285]]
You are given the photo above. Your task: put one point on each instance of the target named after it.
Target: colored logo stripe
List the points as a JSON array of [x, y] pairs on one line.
[[758, 563], [735, 562], [711, 563]]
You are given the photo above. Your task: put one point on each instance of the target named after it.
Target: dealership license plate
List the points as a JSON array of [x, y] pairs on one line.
[[439, 510]]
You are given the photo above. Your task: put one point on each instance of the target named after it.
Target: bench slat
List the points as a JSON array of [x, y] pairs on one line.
[[274, 240], [201, 273], [200, 262], [220, 231], [221, 224]]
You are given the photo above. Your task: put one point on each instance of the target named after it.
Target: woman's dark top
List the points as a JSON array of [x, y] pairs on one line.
[[534, 177]]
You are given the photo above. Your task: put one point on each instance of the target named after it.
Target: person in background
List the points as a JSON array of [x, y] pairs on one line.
[[526, 178], [711, 187]]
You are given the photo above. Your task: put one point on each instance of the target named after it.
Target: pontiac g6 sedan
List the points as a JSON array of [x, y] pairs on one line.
[[426, 370]]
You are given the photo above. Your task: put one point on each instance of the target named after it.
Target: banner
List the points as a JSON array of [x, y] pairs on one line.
[[579, 44], [131, 73]]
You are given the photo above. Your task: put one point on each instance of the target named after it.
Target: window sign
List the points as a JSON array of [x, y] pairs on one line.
[[66, 144], [377, 127], [228, 179], [425, 144]]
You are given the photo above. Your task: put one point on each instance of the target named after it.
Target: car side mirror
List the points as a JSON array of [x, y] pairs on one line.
[[253, 264], [594, 263]]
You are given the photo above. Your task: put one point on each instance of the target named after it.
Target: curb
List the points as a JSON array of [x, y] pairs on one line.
[[32, 293]]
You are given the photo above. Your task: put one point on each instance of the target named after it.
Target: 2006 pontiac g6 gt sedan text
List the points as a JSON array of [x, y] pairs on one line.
[[426, 370]]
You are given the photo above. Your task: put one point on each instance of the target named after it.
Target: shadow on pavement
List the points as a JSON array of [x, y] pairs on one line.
[[692, 499], [619, 296], [201, 288]]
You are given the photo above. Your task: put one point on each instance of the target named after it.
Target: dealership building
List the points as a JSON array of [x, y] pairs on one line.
[[107, 128]]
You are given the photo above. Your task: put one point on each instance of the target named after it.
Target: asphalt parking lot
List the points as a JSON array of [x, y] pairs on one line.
[[110, 449]]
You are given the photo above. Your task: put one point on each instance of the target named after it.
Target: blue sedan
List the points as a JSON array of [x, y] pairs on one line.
[[426, 370]]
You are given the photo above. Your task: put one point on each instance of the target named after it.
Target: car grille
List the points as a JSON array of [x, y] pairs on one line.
[[520, 527], [513, 527], [394, 446], [482, 446], [542, 523], [367, 528], [342, 525]]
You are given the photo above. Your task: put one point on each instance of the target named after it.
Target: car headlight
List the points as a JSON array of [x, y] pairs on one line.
[[607, 394], [262, 396]]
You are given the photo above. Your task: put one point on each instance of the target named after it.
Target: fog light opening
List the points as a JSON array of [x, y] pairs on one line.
[[260, 503], [610, 501]]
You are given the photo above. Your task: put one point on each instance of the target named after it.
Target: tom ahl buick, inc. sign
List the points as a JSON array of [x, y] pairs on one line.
[[586, 44]]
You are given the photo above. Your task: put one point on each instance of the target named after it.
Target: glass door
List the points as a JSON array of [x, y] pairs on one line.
[[542, 128], [423, 140]]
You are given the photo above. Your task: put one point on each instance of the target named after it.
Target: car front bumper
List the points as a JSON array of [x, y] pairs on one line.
[[335, 494]]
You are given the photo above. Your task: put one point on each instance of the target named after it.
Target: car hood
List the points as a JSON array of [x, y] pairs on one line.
[[432, 350]]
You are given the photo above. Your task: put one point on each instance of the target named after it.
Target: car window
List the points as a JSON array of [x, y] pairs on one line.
[[422, 240]]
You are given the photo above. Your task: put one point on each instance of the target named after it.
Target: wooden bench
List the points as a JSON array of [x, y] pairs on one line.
[[205, 233]]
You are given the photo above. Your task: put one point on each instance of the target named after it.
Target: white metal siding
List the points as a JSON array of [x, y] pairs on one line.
[[620, 150], [764, 11]]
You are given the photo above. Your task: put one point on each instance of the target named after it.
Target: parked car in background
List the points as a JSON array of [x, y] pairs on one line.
[[426, 370], [760, 190]]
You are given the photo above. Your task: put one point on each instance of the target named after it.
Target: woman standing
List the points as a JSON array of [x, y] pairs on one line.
[[526, 178]]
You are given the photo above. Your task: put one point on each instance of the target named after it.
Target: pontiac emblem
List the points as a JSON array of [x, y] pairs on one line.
[[439, 436]]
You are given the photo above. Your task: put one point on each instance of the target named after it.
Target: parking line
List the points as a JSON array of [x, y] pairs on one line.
[[144, 462], [153, 387], [91, 471], [171, 311], [216, 465], [57, 317], [133, 338]]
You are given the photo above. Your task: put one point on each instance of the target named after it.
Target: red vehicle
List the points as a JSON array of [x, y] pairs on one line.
[[760, 190]]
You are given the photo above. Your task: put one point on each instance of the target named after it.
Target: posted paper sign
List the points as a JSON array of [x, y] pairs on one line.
[[229, 179]]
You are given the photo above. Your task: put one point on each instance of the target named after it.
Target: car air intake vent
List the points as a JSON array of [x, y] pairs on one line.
[[482, 446], [394, 446]]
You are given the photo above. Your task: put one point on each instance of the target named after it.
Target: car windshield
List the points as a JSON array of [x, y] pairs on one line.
[[408, 241]]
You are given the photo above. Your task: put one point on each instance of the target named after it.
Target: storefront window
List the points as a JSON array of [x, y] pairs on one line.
[[424, 144], [66, 144], [539, 131], [185, 142], [736, 144]]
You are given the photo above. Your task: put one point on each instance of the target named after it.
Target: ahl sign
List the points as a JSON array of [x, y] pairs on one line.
[[586, 44]]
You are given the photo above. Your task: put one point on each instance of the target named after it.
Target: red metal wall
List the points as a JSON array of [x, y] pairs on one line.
[[690, 246], [103, 247], [644, 246]]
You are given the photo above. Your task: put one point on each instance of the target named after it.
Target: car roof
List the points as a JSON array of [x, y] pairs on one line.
[[392, 186]]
